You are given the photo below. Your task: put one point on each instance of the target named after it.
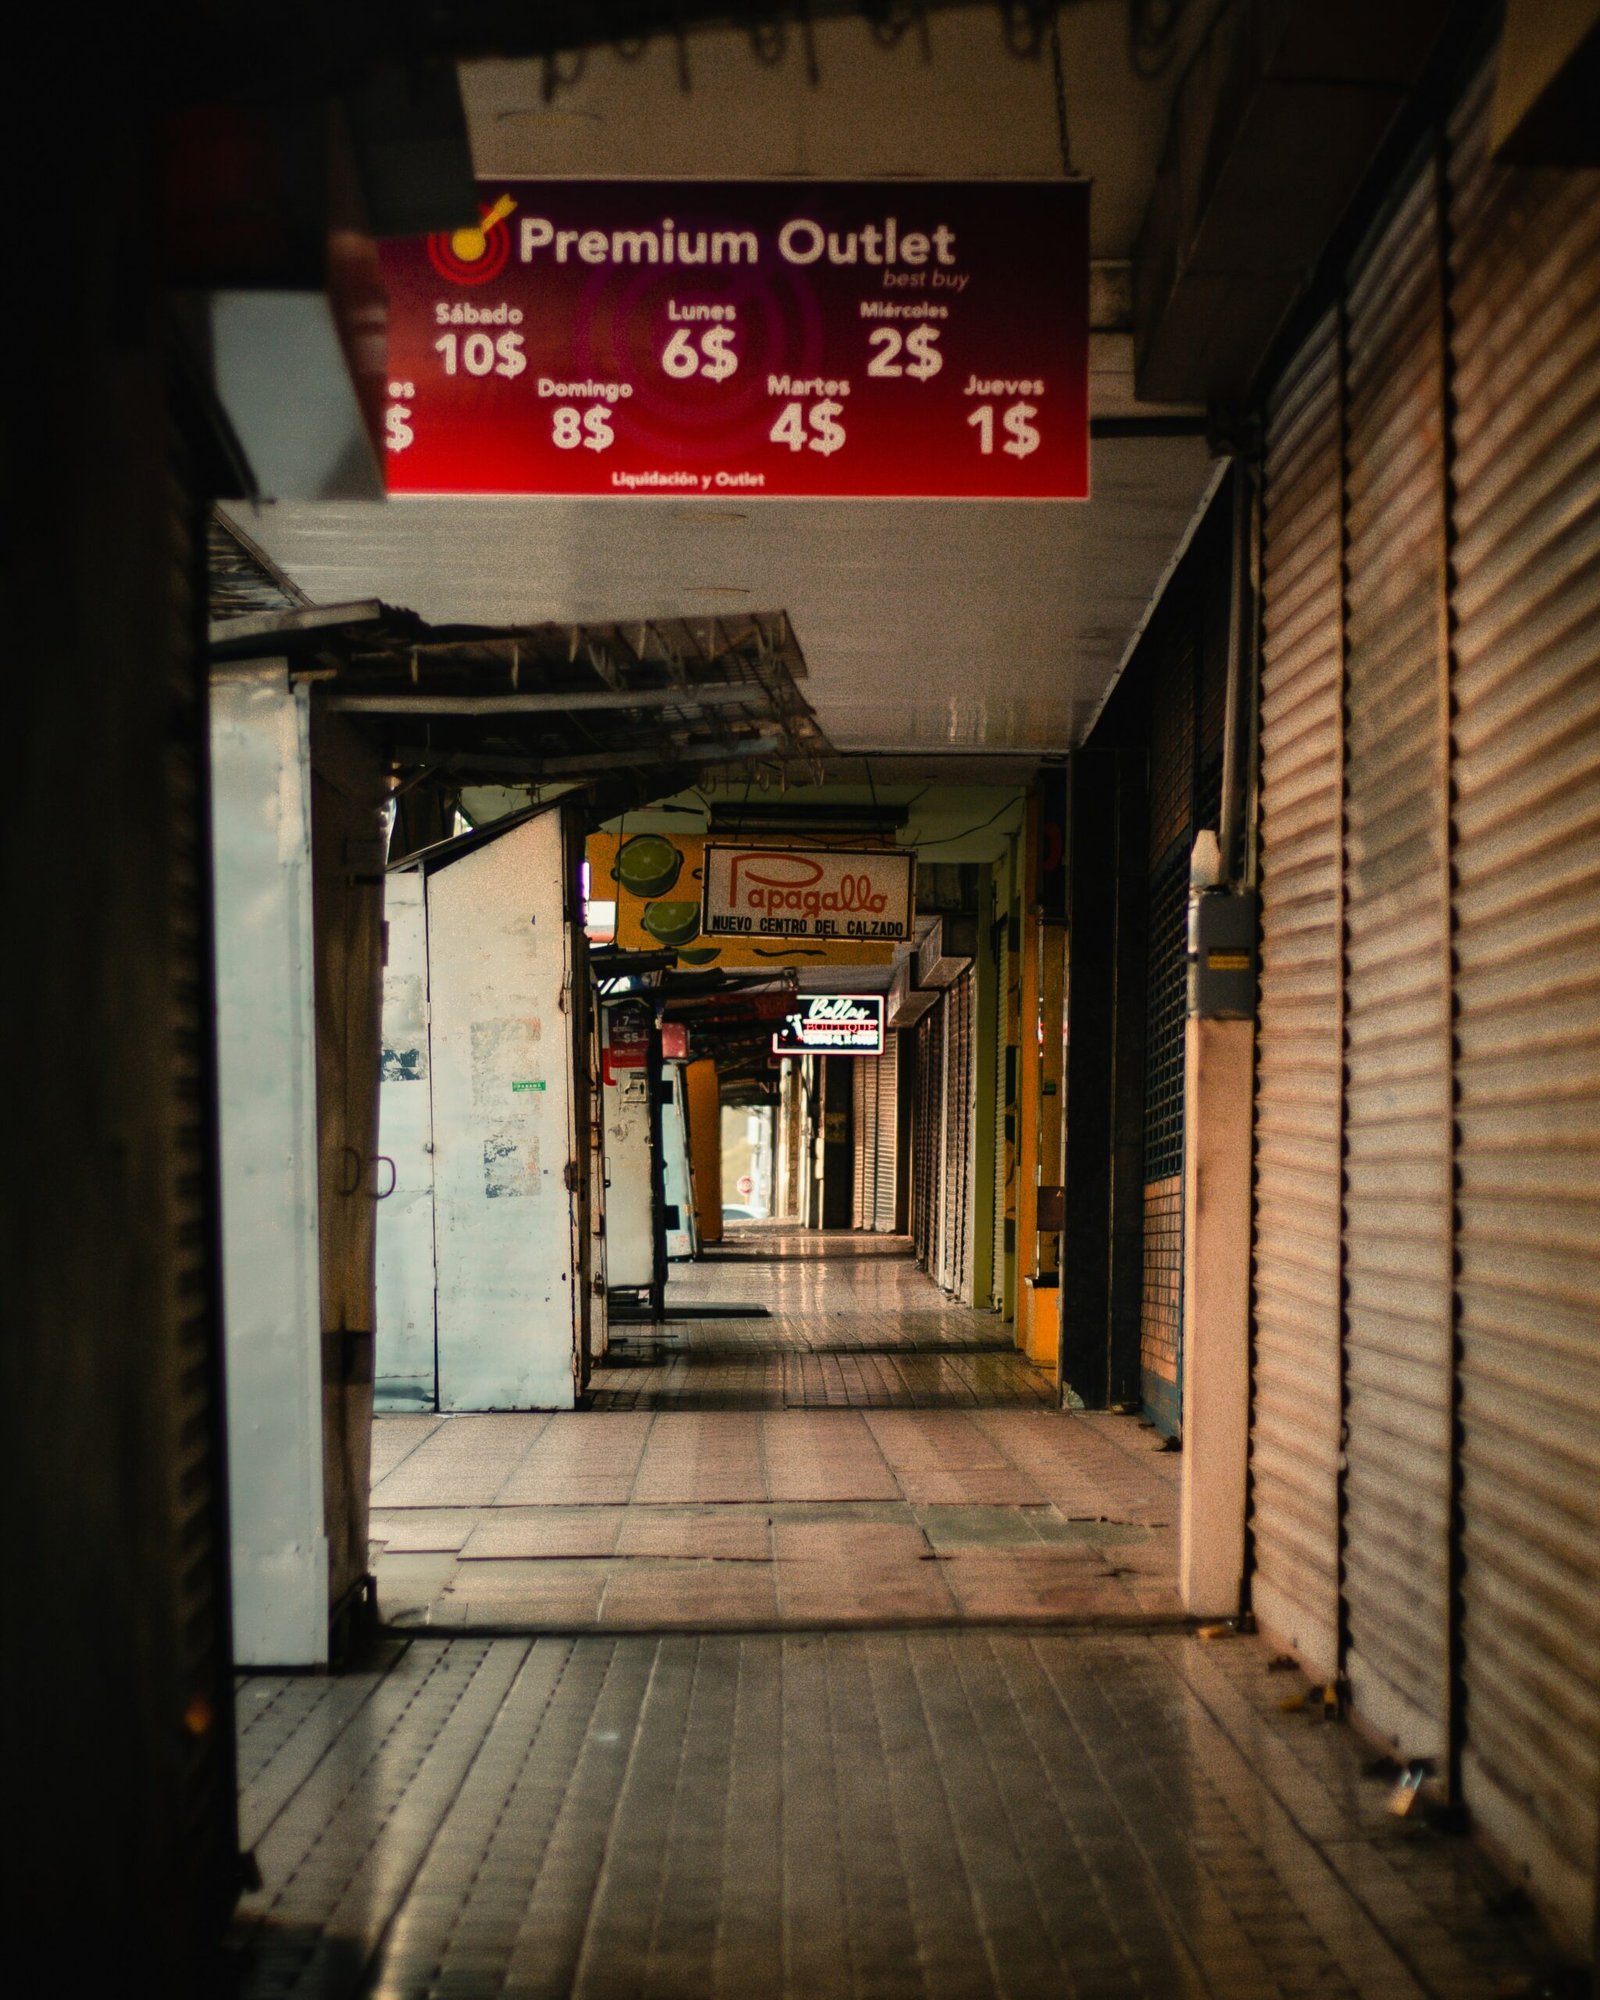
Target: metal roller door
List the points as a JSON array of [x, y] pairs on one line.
[[927, 1138], [1397, 1007], [1294, 1446], [886, 1138], [955, 1238], [1526, 359], [863, 1118]]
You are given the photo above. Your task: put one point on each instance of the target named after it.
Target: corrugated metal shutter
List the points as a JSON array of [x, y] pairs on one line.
[[886, 1162], [954, 1269], [1526, 352], [863, 1115], [1397, 1014], [928, 1137], [1294, 1445]]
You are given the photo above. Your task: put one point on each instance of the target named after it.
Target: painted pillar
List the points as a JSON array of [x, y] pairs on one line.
[[705, 1146], [1218, 1063], [986, 1084], [1028, 1081]]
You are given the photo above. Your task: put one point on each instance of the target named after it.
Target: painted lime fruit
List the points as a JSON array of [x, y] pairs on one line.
[[701, 954], [671, 923], [648, 865]]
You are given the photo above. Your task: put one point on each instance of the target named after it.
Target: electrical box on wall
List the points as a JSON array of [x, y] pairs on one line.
[[1222, 954]]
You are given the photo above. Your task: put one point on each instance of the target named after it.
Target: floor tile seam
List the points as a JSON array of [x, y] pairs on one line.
[[1278, 1825], [1049, 1767], [896, 1769], [447, 1932], [1025, 1850], [1091, 1747], [784, 1845], [259, 1834], [515, 1933], [428, 1433], [614, 1819], [378, 1832], [1335, 1853], [971, 1886], [389, 1682], [572, 1807], [673, 1816], [881, 1764]]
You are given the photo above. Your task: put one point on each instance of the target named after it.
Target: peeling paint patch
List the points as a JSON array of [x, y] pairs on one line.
[[510, 1165], [502, 1053], [403, 1066]]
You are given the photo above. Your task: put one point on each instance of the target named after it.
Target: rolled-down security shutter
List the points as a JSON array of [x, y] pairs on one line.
[[1398, 1210], [886, 1152], [863, 1112], [1294, 1445], [955, 1258], [928, 1136], [1526, 353]]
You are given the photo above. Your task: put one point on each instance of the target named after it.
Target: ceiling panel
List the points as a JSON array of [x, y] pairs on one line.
[[926, 626]]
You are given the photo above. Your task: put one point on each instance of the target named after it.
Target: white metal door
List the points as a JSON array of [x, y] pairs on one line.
[[676, 1171], [503, 1111], [405, 1373], [271, 1239], [628, 1145]]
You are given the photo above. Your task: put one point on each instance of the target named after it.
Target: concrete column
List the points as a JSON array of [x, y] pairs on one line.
[[1216, 1314]]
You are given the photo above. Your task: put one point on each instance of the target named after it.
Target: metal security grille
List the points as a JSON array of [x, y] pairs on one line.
[[875, 1103], [1397, 1026], [1426, 1442], [955, 1264], [885, 1204], [1525, 351], [1294, 1443], [863, 1124], [927, 1138], [1185, 766]]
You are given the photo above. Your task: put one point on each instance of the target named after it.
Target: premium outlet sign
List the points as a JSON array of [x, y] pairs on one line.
[[796, 894], [892, 339], [834, 1024]]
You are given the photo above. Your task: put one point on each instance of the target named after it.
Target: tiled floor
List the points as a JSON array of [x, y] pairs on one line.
[[953, 1814], [890, 1459], [841, 1683]]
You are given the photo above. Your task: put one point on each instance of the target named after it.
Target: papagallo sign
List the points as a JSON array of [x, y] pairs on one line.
[[803, 893]]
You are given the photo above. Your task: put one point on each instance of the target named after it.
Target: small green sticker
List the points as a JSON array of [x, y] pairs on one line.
[[539, 1085]]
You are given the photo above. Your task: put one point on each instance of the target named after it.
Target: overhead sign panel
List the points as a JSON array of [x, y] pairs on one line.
[[796, 894], [833, 1024], [889, 339]]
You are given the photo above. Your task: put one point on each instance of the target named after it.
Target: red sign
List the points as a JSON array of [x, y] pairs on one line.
[[891, 339]]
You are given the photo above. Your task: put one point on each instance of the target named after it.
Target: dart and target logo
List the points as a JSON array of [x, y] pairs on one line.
[[473, 256]]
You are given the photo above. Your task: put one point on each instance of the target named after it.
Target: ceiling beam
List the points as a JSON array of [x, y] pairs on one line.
[[714, 694]]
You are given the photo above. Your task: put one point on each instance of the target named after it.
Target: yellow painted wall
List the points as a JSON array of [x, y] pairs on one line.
[[703, 1093]]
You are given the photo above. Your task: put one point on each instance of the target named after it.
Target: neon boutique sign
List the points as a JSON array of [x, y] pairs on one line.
[[838, 1024]]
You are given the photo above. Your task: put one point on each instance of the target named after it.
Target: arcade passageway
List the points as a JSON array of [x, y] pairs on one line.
[[821, 1656]]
